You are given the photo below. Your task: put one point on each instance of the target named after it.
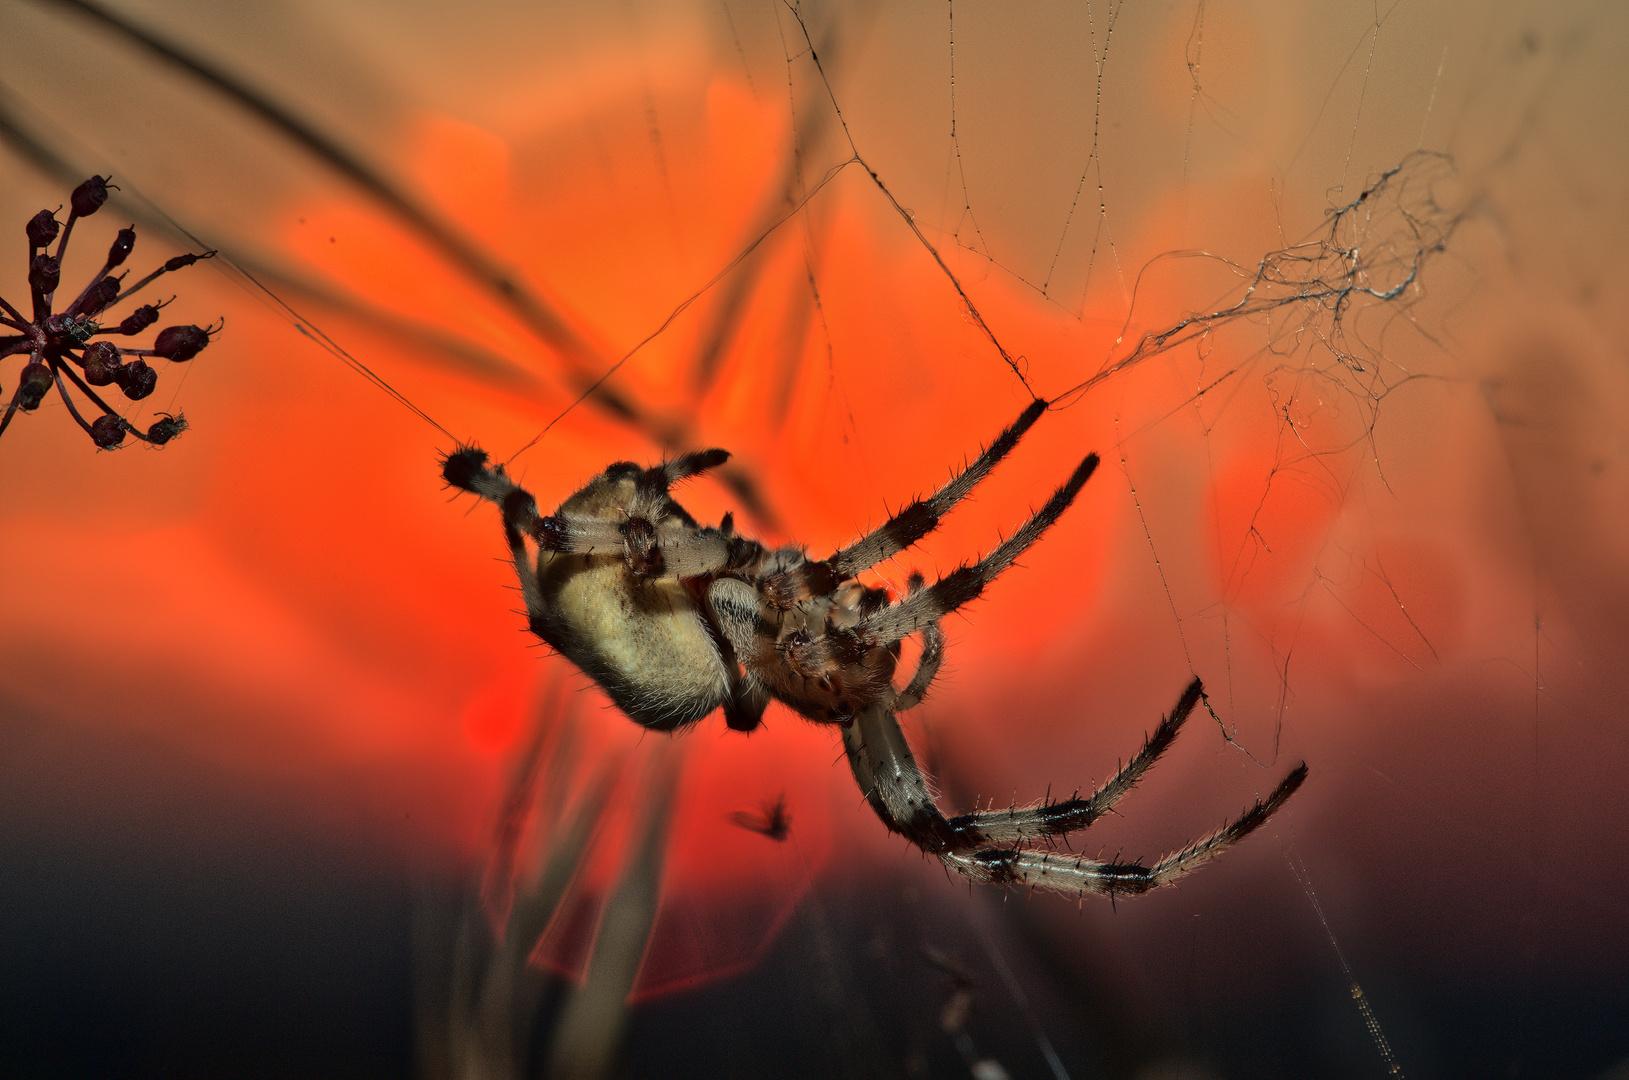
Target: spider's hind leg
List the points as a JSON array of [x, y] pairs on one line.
[[466, 468], [1077, 874], [989, 846], [1022, 824]]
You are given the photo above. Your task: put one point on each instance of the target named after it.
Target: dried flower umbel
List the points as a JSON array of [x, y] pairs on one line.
[[76, 337]]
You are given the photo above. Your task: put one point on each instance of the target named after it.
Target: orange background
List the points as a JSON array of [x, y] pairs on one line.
[[1423, 598]]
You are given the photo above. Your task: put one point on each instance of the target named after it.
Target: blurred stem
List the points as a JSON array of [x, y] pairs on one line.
[[590, 1031]]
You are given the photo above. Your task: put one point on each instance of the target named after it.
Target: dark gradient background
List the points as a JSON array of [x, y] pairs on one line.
[[259, 692]]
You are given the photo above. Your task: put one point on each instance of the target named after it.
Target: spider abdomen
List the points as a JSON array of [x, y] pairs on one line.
[[643, 639]]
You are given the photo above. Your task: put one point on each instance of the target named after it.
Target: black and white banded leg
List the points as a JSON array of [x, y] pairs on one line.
[[817, 578], [989, 846], [964, 584]]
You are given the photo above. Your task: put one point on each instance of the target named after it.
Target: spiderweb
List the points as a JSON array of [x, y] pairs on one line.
[[1333, 293]]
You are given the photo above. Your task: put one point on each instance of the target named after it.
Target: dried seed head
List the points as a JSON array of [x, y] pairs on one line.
[[44, 273], [180, 342], [102, 363], [36, 381], [139, 320], [166, 428], [49, 339], [89, 196], [123, 244], [107, 432], [102, 294], [136, 379], [42, 228]]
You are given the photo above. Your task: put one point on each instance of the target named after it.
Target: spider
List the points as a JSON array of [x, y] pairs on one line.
[[674, 620]]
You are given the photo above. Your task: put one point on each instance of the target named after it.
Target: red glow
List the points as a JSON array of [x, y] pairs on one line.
[[289, 592]]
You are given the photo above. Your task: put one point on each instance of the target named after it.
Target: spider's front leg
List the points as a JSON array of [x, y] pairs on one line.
[[991, 846], [466, 468]]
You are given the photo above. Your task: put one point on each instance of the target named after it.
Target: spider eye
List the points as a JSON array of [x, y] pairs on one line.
[[462, 466]]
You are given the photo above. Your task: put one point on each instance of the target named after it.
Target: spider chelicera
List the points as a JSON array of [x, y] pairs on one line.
[[674, 619]]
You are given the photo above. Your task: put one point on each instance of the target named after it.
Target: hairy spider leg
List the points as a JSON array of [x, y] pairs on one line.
[[694, 463], [1020, 824], [466, 468], [922, 517], [744, 638], [889, 778], [964, 584], [650, 502], [1068, 873], [901, 530], [669, 548], [894, 781], [899, 793], [834, 649]]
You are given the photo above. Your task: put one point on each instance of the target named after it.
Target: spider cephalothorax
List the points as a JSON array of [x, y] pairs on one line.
[[676, 619]]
